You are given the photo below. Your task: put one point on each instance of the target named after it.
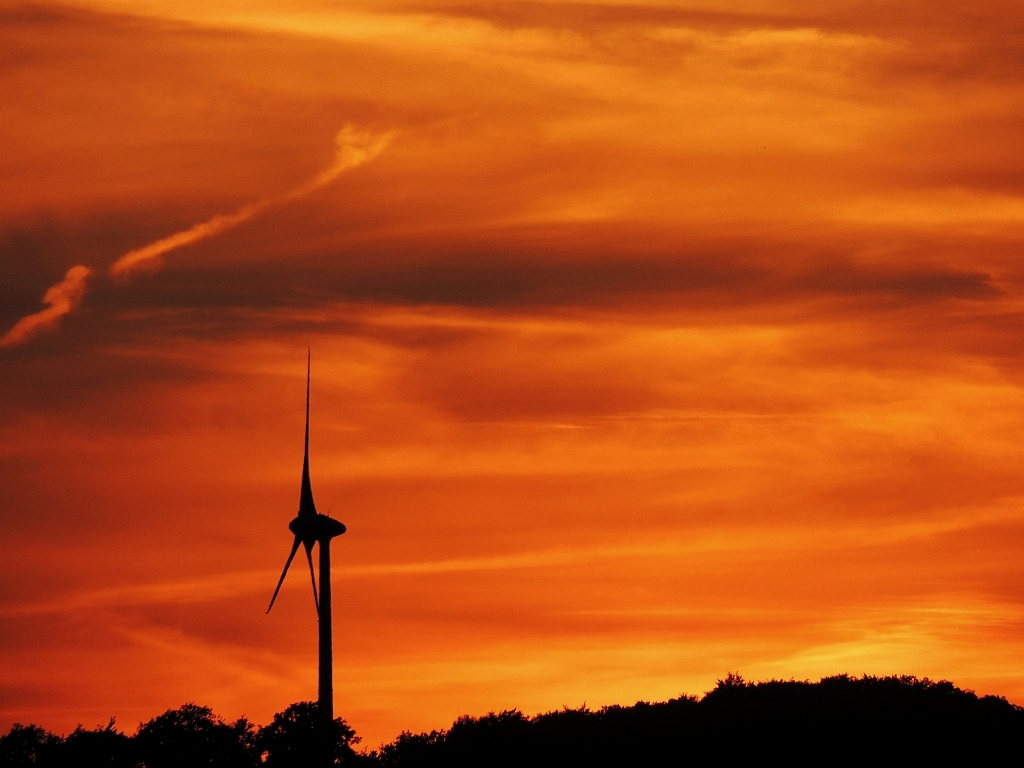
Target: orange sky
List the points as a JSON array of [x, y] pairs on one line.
[[650, 342]]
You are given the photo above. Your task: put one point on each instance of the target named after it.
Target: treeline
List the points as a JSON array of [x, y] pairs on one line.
[[835, 720], [189, 737]]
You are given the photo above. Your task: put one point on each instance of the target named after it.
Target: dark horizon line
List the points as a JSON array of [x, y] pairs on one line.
[[732, 680]]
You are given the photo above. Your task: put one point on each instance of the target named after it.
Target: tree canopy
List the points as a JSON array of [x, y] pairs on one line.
[[834, 720]]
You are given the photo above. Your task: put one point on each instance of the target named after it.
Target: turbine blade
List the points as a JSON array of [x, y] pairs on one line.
[[291, 556], [306, 505], [309, 557]]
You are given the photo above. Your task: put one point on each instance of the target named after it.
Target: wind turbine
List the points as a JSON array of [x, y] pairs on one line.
[[311, 528]]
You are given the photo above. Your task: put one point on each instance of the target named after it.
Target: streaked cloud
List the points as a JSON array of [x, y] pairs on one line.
[[354, 148], [61, 299]]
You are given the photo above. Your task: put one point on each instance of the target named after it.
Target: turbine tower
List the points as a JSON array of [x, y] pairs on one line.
[[311, 528]]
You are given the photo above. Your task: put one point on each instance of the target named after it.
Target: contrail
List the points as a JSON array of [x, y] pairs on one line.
[[148, 257], [355, 148], [62, 298]]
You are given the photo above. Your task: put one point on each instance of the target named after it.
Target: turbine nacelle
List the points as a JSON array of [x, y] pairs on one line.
[[315, 528]]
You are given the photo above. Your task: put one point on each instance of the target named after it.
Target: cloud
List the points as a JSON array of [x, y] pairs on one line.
[[148, 258], [355, 148], [61, 299]]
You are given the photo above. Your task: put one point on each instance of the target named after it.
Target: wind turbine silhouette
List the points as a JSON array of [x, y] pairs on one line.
[[311, 528]]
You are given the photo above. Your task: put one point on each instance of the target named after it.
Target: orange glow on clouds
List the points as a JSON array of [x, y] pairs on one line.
[[656, 342]]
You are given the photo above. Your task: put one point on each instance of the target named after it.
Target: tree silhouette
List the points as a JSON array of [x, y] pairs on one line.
[[103, 747], [28, 745], [193, 736], [837, 720], [298, 737]]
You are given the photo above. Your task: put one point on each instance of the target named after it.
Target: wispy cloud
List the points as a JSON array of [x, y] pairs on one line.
[[355, 148], [62, 298], [712, 541]]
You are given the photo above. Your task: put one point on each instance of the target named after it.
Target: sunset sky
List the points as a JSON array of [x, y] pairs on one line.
[[650, 341]]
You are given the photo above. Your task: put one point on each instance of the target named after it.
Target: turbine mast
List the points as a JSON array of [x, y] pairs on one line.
[[325, 693], [311, 528]]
